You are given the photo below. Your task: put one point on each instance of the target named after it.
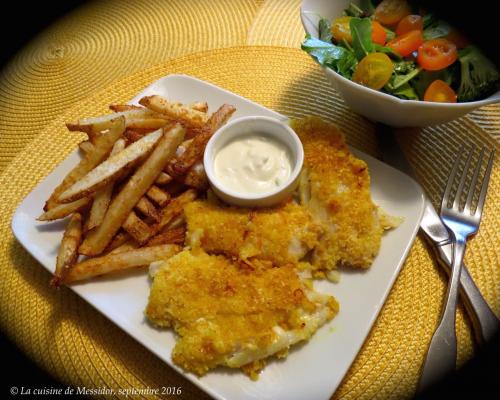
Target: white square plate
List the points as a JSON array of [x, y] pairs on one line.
[[312, 371]]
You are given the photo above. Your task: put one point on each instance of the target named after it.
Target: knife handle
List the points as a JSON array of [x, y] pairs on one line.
[[484, 321]]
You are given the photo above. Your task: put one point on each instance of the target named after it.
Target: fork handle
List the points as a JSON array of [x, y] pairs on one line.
[[442, 353], [484, 321]]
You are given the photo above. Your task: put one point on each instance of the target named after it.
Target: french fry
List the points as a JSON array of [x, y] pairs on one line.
[[180, 165], [109, 170], [178, 112], [103, 197], [197, 177], [176, 222], [174, 209], [86, 146], [163, 178], [147, 123], [68, 250], [63, 210], [93, 126], [176, 187], [137, 228], [172, 236], [124, 107], [119, 209], [201, 106], [159, 196], [133, 135], [120, 261], [102, 148], [118, 240], [146, 208], [127, 246]]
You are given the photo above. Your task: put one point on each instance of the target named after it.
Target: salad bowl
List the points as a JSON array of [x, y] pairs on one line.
[[376, 105]]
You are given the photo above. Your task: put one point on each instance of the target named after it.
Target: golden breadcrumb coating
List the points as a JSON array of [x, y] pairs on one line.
[[281, 235], [215, 228], [339, 197], [228, 314]]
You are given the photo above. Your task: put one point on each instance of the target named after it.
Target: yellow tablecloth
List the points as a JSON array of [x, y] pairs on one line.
[[106, 52]]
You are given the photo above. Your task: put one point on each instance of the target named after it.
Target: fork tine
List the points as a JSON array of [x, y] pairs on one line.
[[460, 188], [451, 179], [473, 183], [484, 186]]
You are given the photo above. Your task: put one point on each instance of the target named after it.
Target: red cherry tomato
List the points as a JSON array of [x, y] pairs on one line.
[[439, 91], [390, 12], [437, 54], [407, 43], [410, 23], [379, 35]]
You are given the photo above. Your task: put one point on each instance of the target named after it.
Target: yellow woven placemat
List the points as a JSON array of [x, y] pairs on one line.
[[105, 41], [79, 346], [100, 43]]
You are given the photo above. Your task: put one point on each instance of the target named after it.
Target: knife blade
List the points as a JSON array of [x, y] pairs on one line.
[[484, 321]]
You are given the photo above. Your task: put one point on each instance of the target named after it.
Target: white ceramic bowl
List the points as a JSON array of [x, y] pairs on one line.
[[267, 126], [376, 105]]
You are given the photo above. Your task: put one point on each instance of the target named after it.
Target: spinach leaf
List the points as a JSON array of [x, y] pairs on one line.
[[338, 58], [400, 79], [387, 50], [361, 32], [428, 20], [325, 30], [436, 30], [404, 92]]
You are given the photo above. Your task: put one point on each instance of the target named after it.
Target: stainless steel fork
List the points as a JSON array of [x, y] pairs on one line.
[[461, 222]]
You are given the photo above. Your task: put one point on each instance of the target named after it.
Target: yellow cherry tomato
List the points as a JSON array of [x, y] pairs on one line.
[[374, 71], [341, 30]]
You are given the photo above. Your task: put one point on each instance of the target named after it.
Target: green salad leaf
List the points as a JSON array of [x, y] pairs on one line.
[[428, 20], [404, 91], [338, 58], [387, 50], [398, 80], [422, 81], [404, 66], [325, 30], [436, 29], [399, 84], [478, 75], [361, 32]]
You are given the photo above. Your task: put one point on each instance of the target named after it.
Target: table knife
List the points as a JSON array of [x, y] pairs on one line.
[[484, 321]]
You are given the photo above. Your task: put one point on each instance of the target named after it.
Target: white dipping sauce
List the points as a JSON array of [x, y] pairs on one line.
[[253, 164]]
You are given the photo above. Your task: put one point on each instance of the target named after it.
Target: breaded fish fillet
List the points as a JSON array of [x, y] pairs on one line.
[[281, 235], [229, 315], [335, 186]]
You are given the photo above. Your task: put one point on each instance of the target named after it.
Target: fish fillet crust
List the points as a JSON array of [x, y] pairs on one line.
[[227, 314], [338, 195], [280, 235]]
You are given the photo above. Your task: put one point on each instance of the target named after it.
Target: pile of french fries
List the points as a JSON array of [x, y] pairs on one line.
[[140, 166]]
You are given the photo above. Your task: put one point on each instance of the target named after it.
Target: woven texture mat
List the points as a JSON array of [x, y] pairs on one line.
[[80, 347], [105, 41]]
